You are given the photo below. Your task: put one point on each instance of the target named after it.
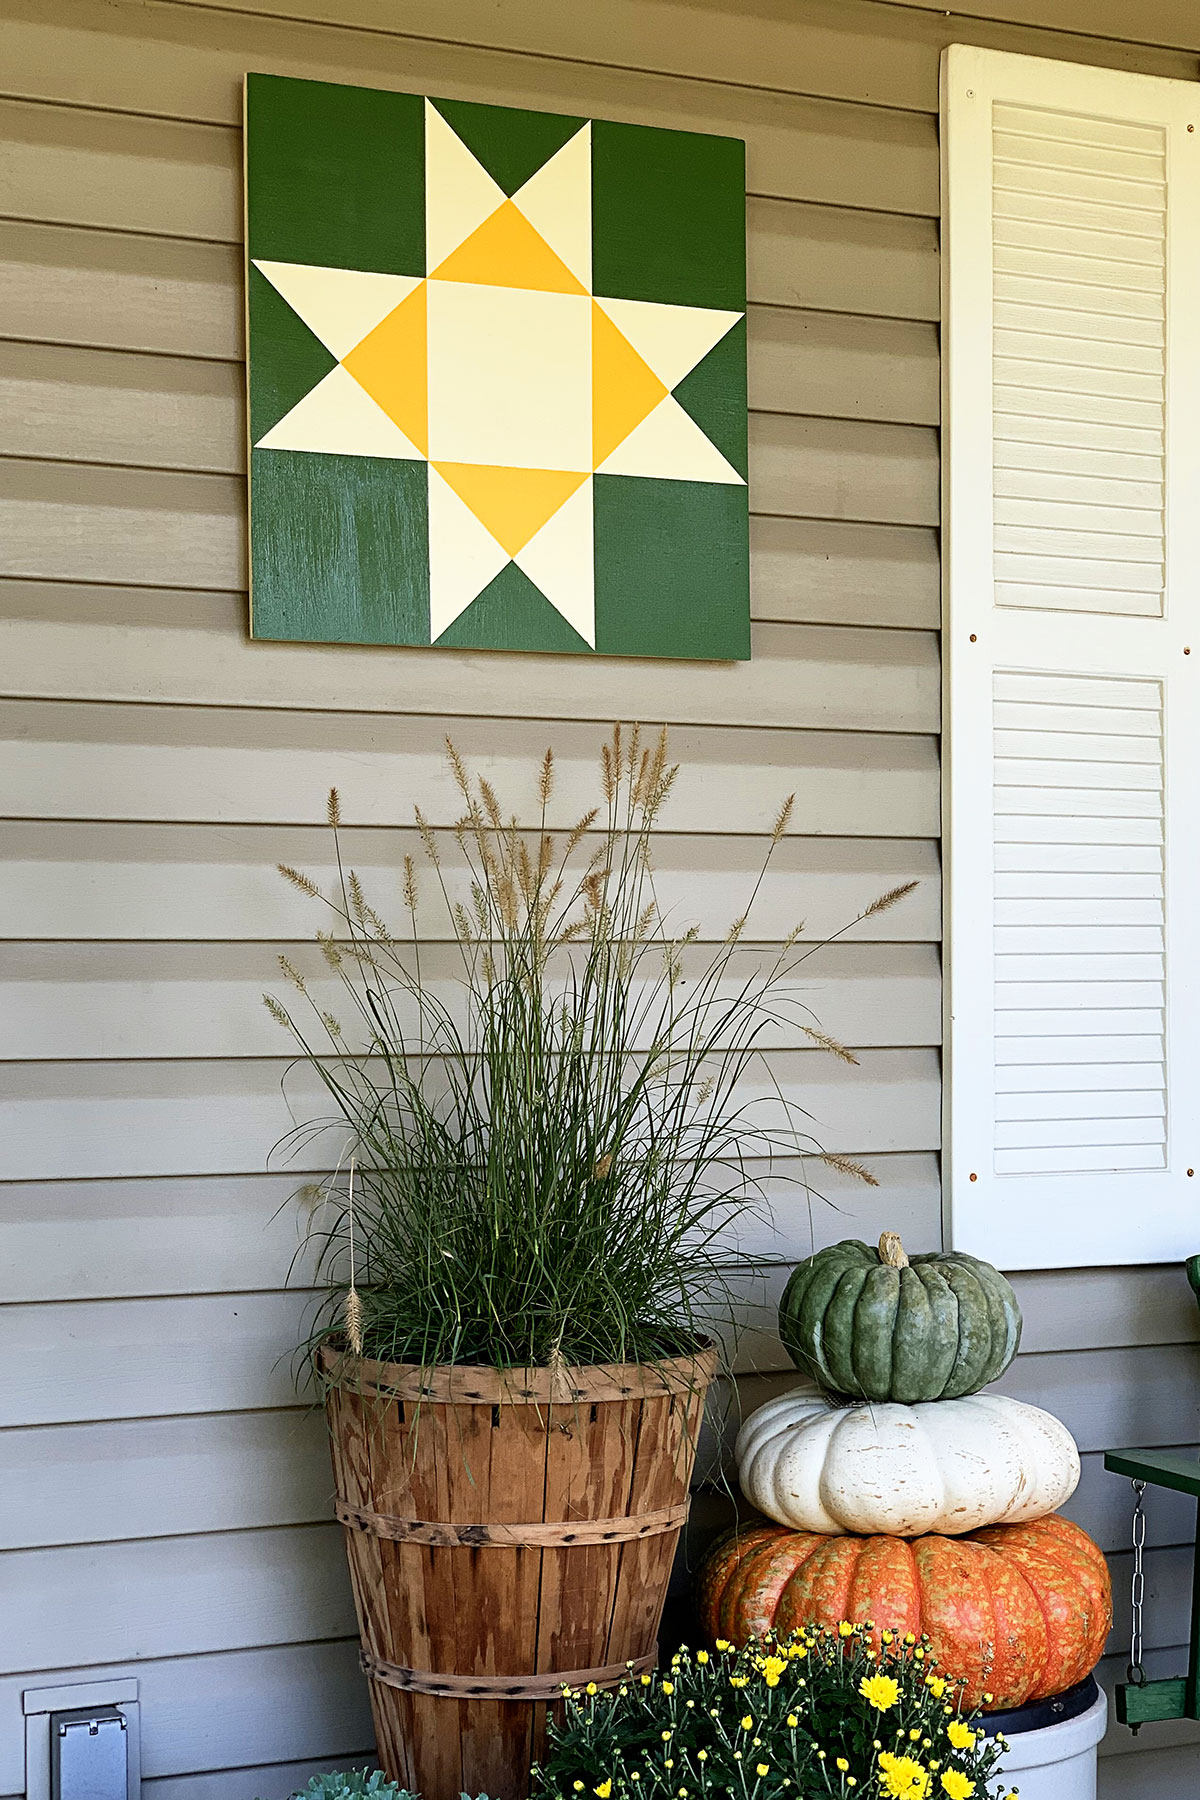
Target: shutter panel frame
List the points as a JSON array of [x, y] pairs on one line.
[[1088, 1210]]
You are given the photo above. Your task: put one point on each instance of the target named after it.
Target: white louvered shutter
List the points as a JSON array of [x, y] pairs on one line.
[[1071, 321]]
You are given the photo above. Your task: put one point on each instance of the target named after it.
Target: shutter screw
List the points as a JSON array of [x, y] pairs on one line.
[[1187, 650], [1191, 128], [1191, 1171], [973, 1176], [975, 640]]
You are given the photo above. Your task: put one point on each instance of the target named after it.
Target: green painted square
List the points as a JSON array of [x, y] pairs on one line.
[[339, 548], [337, 175], [672, 569], [668, 216]]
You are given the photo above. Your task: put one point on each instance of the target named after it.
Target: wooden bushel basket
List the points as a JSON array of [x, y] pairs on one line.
[[507, 1531]]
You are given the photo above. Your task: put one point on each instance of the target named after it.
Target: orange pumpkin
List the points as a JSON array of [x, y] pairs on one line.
[[1019, 1612]]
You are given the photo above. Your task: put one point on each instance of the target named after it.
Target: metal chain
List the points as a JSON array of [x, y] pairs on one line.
[[1135, 1673]]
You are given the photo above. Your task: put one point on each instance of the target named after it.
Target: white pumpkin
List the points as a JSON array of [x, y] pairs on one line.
[[945, 1466]]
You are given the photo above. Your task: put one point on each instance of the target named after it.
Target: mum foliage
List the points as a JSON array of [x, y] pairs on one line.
[[353, 1784], [851, 1713]]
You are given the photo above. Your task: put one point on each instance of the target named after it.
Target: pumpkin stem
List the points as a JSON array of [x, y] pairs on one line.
[[891, 1250]]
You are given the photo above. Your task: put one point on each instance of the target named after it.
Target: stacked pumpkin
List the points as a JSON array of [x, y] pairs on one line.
[[905, 1497]]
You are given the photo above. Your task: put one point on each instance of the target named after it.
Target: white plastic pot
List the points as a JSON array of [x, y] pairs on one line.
[[1057, 1762]]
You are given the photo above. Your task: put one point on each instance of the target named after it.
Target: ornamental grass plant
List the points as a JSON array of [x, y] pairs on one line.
[[846, 1713], [546, 1152]]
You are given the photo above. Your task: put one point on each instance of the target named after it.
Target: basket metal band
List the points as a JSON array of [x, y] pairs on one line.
[[501, 1687], [538, 1534]]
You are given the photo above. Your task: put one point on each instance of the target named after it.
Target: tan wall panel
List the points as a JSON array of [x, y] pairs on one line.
[[95, 1240], [815, 571], [142, 882], [865, 996], [62, 1121], [841, 49], [66, 760], [152, 1478], [804, 148], [286, 1700], [175, 1596], [821, 677]]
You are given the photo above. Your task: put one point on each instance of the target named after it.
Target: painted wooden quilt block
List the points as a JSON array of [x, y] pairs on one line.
[[497, 373]]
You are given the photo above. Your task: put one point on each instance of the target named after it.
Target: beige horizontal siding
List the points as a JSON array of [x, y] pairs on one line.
[[274, 1704], [155, 765]]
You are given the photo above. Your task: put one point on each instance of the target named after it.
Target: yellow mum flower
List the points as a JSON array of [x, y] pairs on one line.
[[763, 1768], [957, 1785], [738, 1681], [747, 1722], [772, 1669], [702, 1756], [578, 1786], [798, 1652], [645, 1681], [845, 1629], [886, 1636], [902, 1777], [702, 1656], [668, 1687], [724, 1644], [960, 1735], [591, 1688], [792, 1720], [604, 1790], [879, 1691], [936, 1686], [842, 1764]]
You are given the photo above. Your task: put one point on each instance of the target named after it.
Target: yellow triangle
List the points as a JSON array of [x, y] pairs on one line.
[[512, 503], [391, 363], [506, 251], [624, 387]]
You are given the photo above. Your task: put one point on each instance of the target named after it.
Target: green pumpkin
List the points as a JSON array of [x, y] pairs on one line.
[[871, 1325]]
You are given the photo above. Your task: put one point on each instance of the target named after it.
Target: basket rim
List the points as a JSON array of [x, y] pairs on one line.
[[470, 1384]]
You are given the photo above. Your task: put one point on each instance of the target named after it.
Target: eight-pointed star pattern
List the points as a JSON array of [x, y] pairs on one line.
[[505, 373]]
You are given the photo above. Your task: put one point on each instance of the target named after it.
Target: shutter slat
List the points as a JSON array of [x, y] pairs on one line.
[[1034, 155], [1022, 1054], [1077, 1160], [1013, 994], [1122, 1103], [1032, 1027], [1080, 968], [1084, 1080], [1079, 323]]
